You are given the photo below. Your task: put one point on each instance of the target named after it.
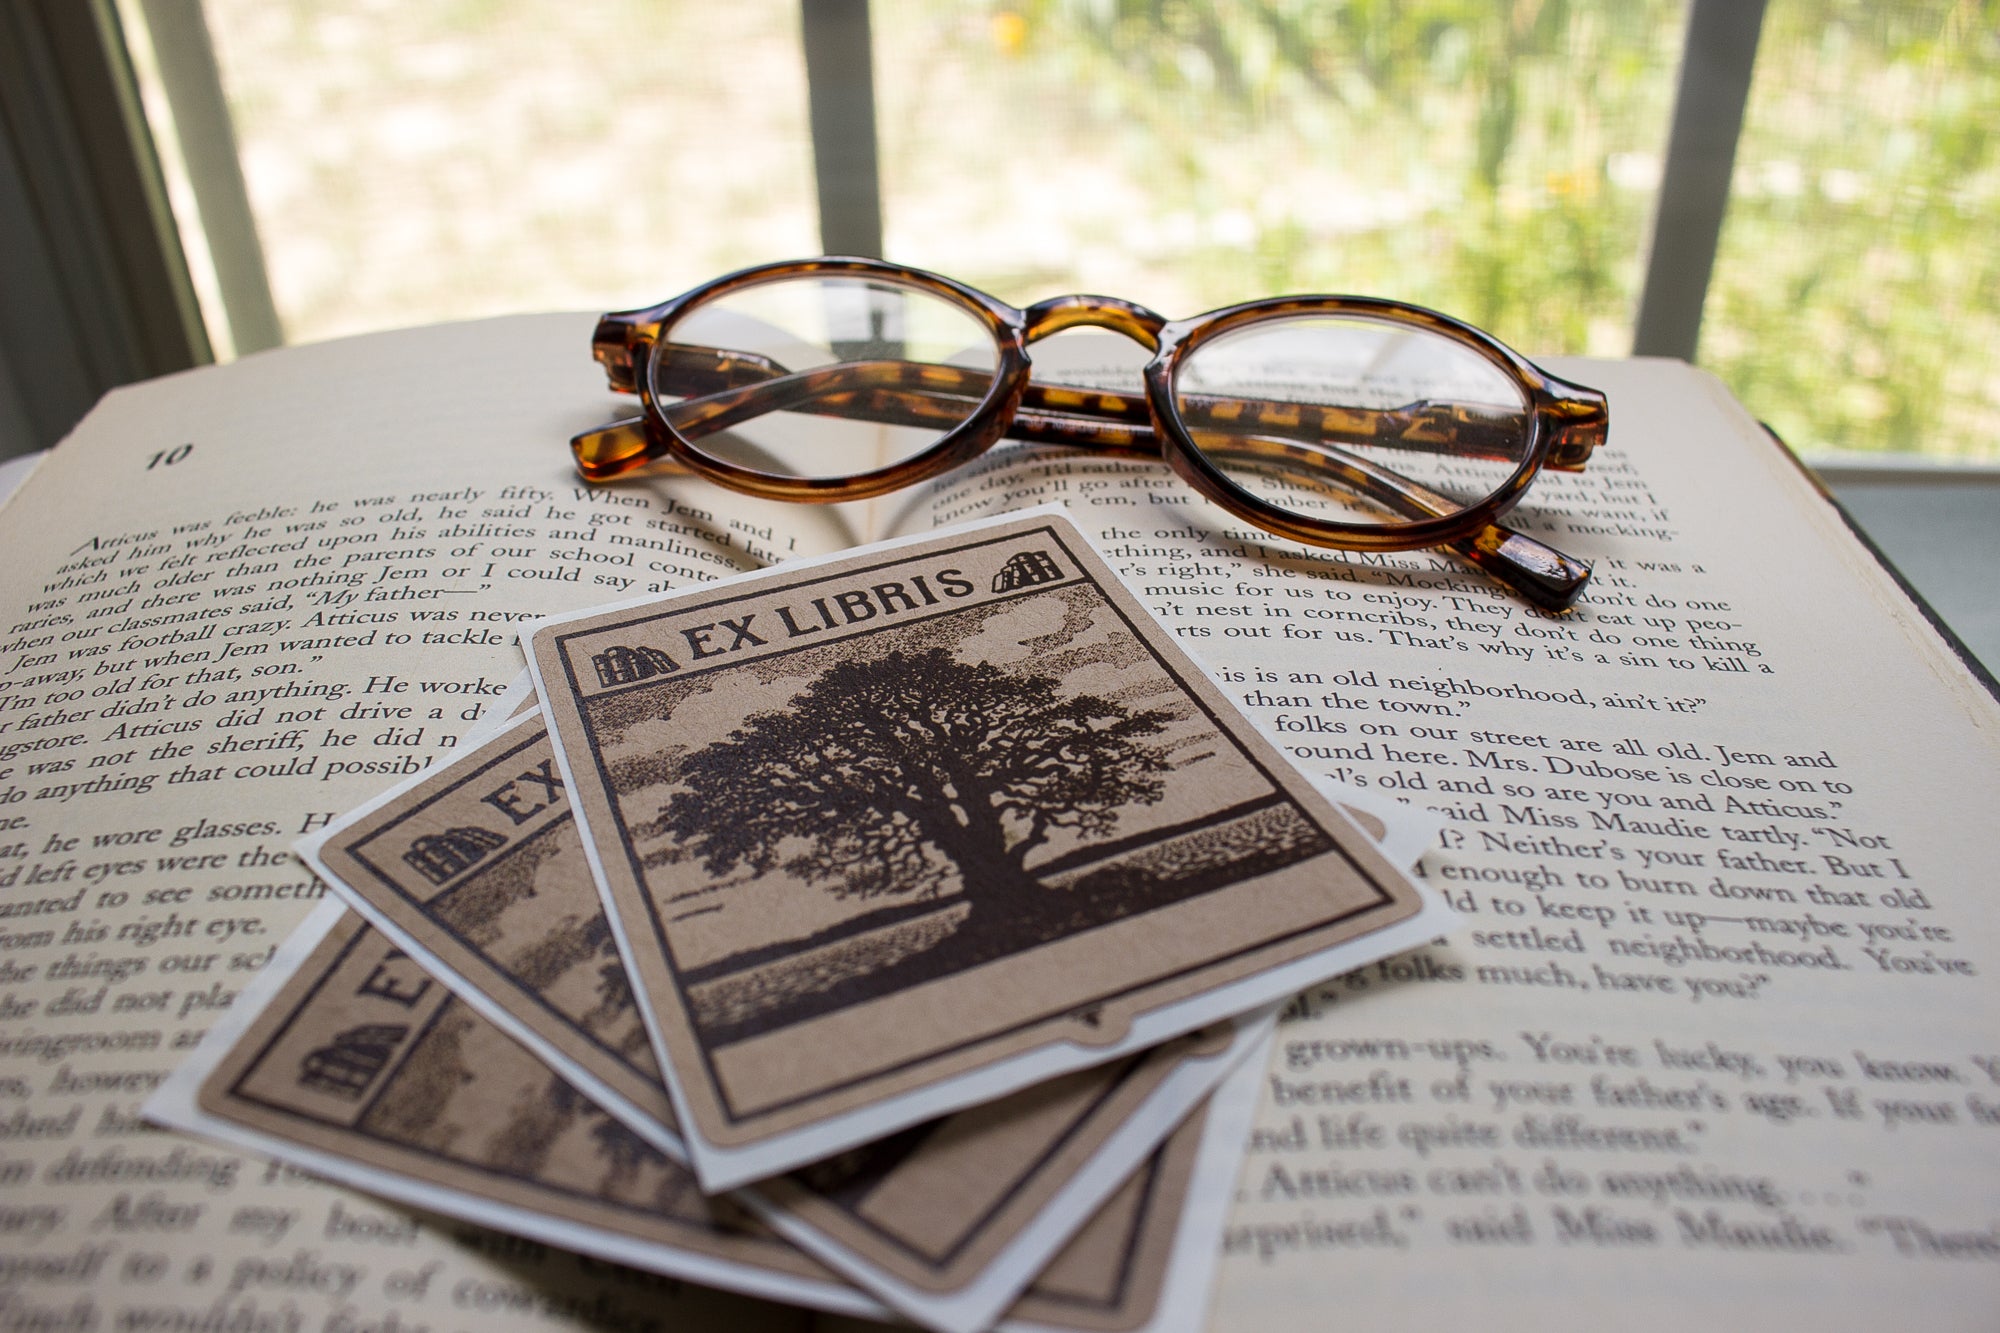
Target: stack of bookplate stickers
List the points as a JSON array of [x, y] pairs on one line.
[[895, 934]]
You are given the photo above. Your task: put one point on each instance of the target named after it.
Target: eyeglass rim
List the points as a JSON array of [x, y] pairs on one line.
[[955, 447], [1542, 397], [628, 344]]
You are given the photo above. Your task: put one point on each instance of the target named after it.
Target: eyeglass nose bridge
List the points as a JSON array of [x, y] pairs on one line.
[[1101, 312]]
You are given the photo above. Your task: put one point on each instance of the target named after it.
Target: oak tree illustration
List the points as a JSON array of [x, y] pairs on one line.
[[885, 774]]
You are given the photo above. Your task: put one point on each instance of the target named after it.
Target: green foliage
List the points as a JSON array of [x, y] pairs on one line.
[[1856, 299], [1457, 153], [1499, 161], [1493, 158]]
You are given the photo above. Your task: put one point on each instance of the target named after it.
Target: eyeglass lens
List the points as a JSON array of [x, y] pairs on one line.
[[834, 367], [1334, 417]]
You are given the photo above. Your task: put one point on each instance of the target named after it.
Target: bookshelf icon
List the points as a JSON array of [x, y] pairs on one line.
[[439, 856], [619, 665], [346, 1065], [1026, 569]]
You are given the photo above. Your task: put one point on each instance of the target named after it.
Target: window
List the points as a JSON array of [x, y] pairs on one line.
[[411, 163], [1856, 298]]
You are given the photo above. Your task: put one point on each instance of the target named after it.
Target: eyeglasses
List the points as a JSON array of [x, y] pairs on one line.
[[1337, 421]]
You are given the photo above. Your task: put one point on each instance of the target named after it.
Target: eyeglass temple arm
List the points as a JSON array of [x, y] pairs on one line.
[[1538, 572]]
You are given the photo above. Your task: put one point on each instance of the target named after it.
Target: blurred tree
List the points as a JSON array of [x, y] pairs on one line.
[[1856, 301], [1466, 155]]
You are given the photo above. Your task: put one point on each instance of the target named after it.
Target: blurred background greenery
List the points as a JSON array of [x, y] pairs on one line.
[[1498, 160]]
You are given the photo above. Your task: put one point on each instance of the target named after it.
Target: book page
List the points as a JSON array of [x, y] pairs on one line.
[[1717, 1039], [239, 601], [1731, 1055]]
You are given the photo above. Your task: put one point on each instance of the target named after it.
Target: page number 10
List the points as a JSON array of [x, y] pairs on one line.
[[169, 457]]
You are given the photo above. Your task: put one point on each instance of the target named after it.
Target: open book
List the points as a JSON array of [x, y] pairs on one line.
[[1718, 1042]]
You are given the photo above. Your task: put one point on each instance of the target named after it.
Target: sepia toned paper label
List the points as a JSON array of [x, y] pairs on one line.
[[479, 870], [955, 809], [365, 1056], [357, 1057]]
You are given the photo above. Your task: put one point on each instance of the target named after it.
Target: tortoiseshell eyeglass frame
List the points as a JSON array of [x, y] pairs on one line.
[[718, 388]]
